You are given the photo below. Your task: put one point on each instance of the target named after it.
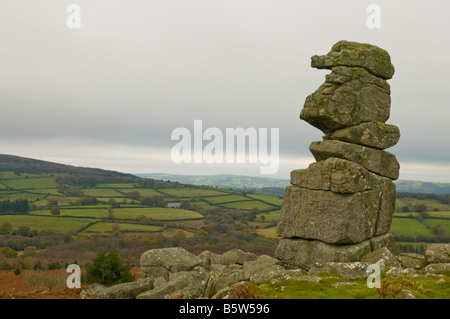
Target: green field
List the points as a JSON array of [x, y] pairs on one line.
[[445, 214], [116, 185], [444, 222], [100, 192], [226, 199], [270, 232], [6, 175], [409, 226], [29, 196], [5, 193], [145, 192], [203, 205], [190, 192], [62, 201], [107, 227], [249, 205], [272, 216], [156, 213], [92, 213], [40, 222], [46, 191], [430, 203], [267, 198], [29, 183]]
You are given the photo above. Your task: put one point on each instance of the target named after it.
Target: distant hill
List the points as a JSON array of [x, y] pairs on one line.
[[276, 186], [407, 186], [84, 175], [23, 165], [223, 181]]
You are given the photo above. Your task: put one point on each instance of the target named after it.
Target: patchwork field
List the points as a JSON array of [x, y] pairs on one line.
[[45, 222], [129, 210], [117, 204]]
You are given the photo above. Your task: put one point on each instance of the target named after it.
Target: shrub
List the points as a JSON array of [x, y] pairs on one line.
[[54, 265], [5, 265], [244, 291], [55, 211], [34, 280], [5, 228], [37, 265], [8, 252], [108, 270], [420, 208]]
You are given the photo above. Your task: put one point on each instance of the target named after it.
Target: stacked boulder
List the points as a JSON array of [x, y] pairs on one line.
[[340, 208]]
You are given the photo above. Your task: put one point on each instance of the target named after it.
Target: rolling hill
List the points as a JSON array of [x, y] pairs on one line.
[[260, 184]]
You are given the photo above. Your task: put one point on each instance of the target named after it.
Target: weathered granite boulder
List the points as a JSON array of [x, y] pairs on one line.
[[408, 294], [92, 291], [410, 260], [437, 253], [327, 216], [384, 240], [336, 175], [381, 257], [298, 252], [263, 268], [373, 134], [349, 96], [346, 270], [399, 272], [161, 262], [207, 258], [234, 256], [433, 268], [129, 290], [377, 161], [224, 276], [183, 285], [345, 53]]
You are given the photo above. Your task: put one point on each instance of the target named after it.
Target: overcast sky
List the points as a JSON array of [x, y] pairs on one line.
[[110, 93]]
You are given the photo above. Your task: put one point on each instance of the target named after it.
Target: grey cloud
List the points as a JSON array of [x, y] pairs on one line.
[[137, 70]]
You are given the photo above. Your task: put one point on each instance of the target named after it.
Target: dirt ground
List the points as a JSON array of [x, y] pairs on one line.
[[44, 284]]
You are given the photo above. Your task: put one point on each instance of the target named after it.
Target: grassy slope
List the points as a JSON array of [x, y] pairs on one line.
[[37, 182], [423, 287]]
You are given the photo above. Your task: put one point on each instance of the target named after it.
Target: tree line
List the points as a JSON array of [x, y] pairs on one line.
[[441, 198], [18, 206]]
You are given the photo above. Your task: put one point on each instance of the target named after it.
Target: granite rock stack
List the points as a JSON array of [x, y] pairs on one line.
[[340, 208]]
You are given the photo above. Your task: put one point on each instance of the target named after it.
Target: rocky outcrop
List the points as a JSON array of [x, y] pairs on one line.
[[369, 57], [129, 290], [437, 253], [162, 262], [413, 261], [217, 276], [374, 160], [349, 96], [340, 208], [176, 273]]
